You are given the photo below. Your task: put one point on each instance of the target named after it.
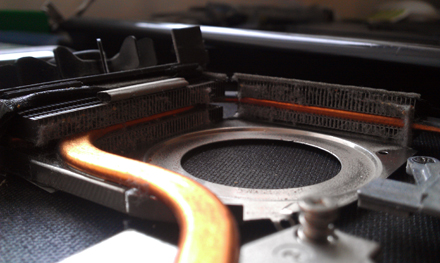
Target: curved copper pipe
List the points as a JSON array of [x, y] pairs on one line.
[[208, 231]]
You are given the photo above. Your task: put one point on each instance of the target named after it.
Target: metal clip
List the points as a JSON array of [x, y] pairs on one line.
[[403, 198]]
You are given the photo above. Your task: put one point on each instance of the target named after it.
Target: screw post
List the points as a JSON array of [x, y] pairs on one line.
[[316, 218]]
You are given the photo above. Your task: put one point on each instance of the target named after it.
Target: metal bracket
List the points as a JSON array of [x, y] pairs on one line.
[[314, 240], [361, 161], [128, 246], [284, 246], [404, 198]]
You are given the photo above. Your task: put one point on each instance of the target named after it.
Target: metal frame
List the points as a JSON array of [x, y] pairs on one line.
[[361, 162]]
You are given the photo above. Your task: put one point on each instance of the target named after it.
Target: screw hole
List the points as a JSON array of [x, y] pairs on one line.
[[423, 160], [384, 152]]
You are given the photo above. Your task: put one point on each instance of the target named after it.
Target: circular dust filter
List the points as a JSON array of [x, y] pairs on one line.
[[261, 164]]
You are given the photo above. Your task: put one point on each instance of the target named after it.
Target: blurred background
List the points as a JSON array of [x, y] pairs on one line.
[[141, 9], [77, 24], [419, 19]]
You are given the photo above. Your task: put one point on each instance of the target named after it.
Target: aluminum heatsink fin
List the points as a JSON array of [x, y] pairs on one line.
[[374, 102], [43, 124], [132, 139]]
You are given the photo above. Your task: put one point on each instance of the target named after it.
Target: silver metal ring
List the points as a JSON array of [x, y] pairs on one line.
[[360, 163]]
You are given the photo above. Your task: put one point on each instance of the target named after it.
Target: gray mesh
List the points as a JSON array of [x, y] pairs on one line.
[[348, 98], [261, 164], [61, 120], [297, 118], [308, 93], [132, 138]]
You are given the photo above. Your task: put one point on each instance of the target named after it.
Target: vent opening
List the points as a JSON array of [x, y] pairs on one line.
[[261, 164]]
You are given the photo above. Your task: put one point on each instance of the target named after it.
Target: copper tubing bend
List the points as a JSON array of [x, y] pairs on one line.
[[208, 231]]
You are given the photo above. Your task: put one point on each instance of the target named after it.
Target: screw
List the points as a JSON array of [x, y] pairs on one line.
[[316, 218]]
